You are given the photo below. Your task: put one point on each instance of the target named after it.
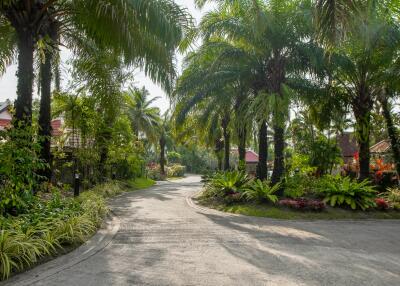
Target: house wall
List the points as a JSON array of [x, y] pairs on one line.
[[5, 115]]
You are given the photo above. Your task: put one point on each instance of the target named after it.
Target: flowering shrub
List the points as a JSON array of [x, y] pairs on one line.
[[303, 204], [381, 204], [154, 172]]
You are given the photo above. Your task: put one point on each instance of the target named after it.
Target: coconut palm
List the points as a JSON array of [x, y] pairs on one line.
[[144, 118]]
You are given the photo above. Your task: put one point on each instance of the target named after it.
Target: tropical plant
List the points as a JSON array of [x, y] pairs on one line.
[[144, 118], [339, 191], [393, 197], [226, 183], [261, 191], [303, 204], [19, 167], [145, 32]]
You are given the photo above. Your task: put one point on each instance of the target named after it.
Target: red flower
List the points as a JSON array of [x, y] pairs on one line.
[[381, 204]]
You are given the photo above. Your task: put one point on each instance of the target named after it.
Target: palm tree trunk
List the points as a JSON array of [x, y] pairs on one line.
[[227, 144], [279, 164], [219, 147], [276, 74], [23, 104], [242, 133], [362, 106], [392, 132], [162, 156], [262, 168], [45, 114]]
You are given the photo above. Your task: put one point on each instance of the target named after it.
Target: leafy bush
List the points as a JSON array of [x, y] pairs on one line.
[[19, 167], [300, 185], [176, 170], [154, 172], [174, 157], [47, 227], [258, 190], [224, 184], [303, 204], [393, 197], [338, 191]]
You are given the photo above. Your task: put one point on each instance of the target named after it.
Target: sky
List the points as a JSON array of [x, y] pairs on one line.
[[8, 82]]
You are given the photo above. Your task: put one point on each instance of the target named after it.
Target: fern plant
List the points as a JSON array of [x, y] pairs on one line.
[[261, 191], [339, 191]]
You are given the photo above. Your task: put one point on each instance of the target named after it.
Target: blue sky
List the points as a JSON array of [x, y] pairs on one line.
[[8, 81]]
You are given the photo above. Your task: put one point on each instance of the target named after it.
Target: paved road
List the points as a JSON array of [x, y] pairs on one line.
[[163, 240]]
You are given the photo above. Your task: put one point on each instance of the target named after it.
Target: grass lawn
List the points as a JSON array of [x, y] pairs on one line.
[[141, 183], [264, 210]]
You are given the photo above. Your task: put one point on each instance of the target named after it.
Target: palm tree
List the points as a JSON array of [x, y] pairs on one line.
[[145, 32], [368, 44], [274, 33], [144, 118]]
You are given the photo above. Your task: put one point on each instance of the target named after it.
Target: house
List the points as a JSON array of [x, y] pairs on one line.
[[5, 115], [251, 162], [57, 125], [348, 146], [251, 158]]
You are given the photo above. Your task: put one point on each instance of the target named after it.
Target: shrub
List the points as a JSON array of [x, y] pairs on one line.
[[299, 185], [381, 204], [338, 191], [19, 167], [258, 190], [47, 227], [225, 183], [154, 172], [174, 157], [393, 197], [303, 204], [176, 170]]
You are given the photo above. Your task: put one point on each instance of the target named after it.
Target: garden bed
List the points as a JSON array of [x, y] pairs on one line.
[[278, 212], [56, 224]]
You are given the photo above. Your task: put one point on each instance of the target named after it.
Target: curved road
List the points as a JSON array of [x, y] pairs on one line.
[[165, 240]]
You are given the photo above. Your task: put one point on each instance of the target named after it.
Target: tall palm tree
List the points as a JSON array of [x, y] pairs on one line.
[[274, 32], [358, 60], [144, 118], [145, 32]]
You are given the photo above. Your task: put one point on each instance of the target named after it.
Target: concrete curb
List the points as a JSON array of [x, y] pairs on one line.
[[93, 246]]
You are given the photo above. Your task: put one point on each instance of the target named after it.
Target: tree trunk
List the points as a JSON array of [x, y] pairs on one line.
[[23, 104], [262, 168], [242, 133], [45, 114], [392, 132], [276, 77], [219, 147], [279, 163], [362, 106], [162, 156], [227, 144]]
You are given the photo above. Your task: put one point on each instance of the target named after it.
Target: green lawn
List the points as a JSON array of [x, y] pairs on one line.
[[141, 183], [264, 210]]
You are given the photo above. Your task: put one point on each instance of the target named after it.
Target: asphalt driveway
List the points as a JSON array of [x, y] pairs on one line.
[[164, 239]]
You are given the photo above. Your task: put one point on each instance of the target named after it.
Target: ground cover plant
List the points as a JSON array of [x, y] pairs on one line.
[[327, 197], [55, 222]]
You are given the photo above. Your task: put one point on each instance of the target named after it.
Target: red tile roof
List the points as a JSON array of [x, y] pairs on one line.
[[251, 157], [56, 126], [5, 123], [381, 147]]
